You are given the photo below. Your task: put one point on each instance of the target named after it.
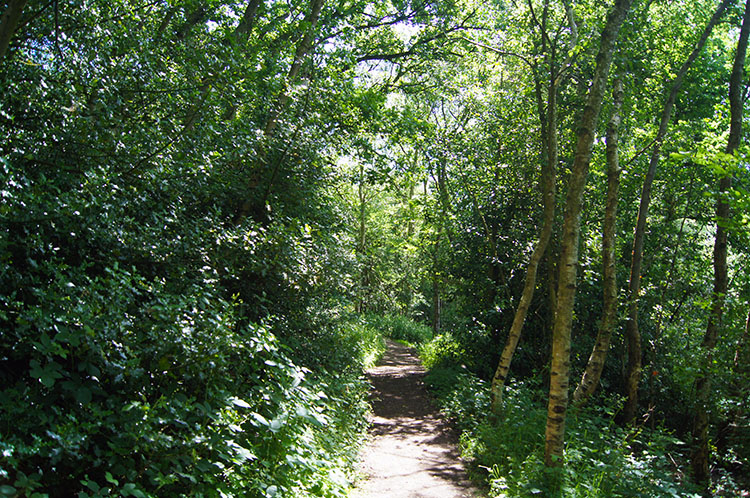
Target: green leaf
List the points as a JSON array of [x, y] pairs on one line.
[[130, 489], [243, 454], [260, 419], [240, 402], [7, 490], [83, 396]]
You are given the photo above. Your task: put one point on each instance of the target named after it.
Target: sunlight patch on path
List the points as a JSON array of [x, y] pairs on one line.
[[413, 452]]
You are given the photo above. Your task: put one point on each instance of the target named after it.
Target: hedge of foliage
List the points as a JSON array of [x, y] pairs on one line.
[[115, 381], [603, 459]]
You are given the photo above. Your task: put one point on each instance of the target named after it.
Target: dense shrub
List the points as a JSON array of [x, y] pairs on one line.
[[442, 351], [134, 390], [146, 340], [400, 328], [602, 459]]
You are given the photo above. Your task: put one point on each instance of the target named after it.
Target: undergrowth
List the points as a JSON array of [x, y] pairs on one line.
[[400, 328], [221, 409], [507, 452]]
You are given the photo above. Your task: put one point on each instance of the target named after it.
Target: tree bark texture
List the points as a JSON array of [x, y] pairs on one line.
[[593, 372], [701, 455], [566, 286], [9, 23], [632, 333], [548, 184]]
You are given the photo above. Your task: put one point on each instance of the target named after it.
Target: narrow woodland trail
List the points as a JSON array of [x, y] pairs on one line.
[[413, 451]]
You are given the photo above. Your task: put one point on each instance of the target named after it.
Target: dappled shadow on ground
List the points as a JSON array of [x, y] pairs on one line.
[[413, 453]]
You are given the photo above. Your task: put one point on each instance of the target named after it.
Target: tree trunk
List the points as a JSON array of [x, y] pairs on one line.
[[248, 18], [436, 284], [362, 240], [303, 49], [700, 457], [632, 334], [548, 183], [197, 16], [593, 372], [9, 23], [566, 286]]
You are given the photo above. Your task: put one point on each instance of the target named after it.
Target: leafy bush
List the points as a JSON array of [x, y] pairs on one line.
[[137, 391], [602, 459], [467, 345], [400, 328], [140, 354], [442, 351], [346, 345]]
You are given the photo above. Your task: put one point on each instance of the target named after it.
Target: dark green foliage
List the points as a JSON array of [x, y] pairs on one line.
[[467, 345], [153, 342], [186, 228], [602, 459]]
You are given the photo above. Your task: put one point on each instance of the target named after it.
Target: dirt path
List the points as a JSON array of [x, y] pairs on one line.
[[413, 452]]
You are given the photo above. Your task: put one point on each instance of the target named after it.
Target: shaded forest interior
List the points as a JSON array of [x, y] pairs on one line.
[[212, 212]]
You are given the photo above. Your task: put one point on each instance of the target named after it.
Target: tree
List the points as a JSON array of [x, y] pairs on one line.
[[633, 369], [566, 287], [9, 23], [595, 365], [548, 183], [701, 453]]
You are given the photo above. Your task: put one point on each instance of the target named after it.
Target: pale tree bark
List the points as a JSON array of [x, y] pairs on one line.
[[548, 183], [566, 286], [701, 455], [9, 23], [593, 372], [632, 334]]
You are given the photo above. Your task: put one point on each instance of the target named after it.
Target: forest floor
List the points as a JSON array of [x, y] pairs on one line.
[[413, 451]]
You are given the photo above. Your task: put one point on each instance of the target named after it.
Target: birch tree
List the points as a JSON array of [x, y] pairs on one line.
[[568, 263], [595, 365]]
